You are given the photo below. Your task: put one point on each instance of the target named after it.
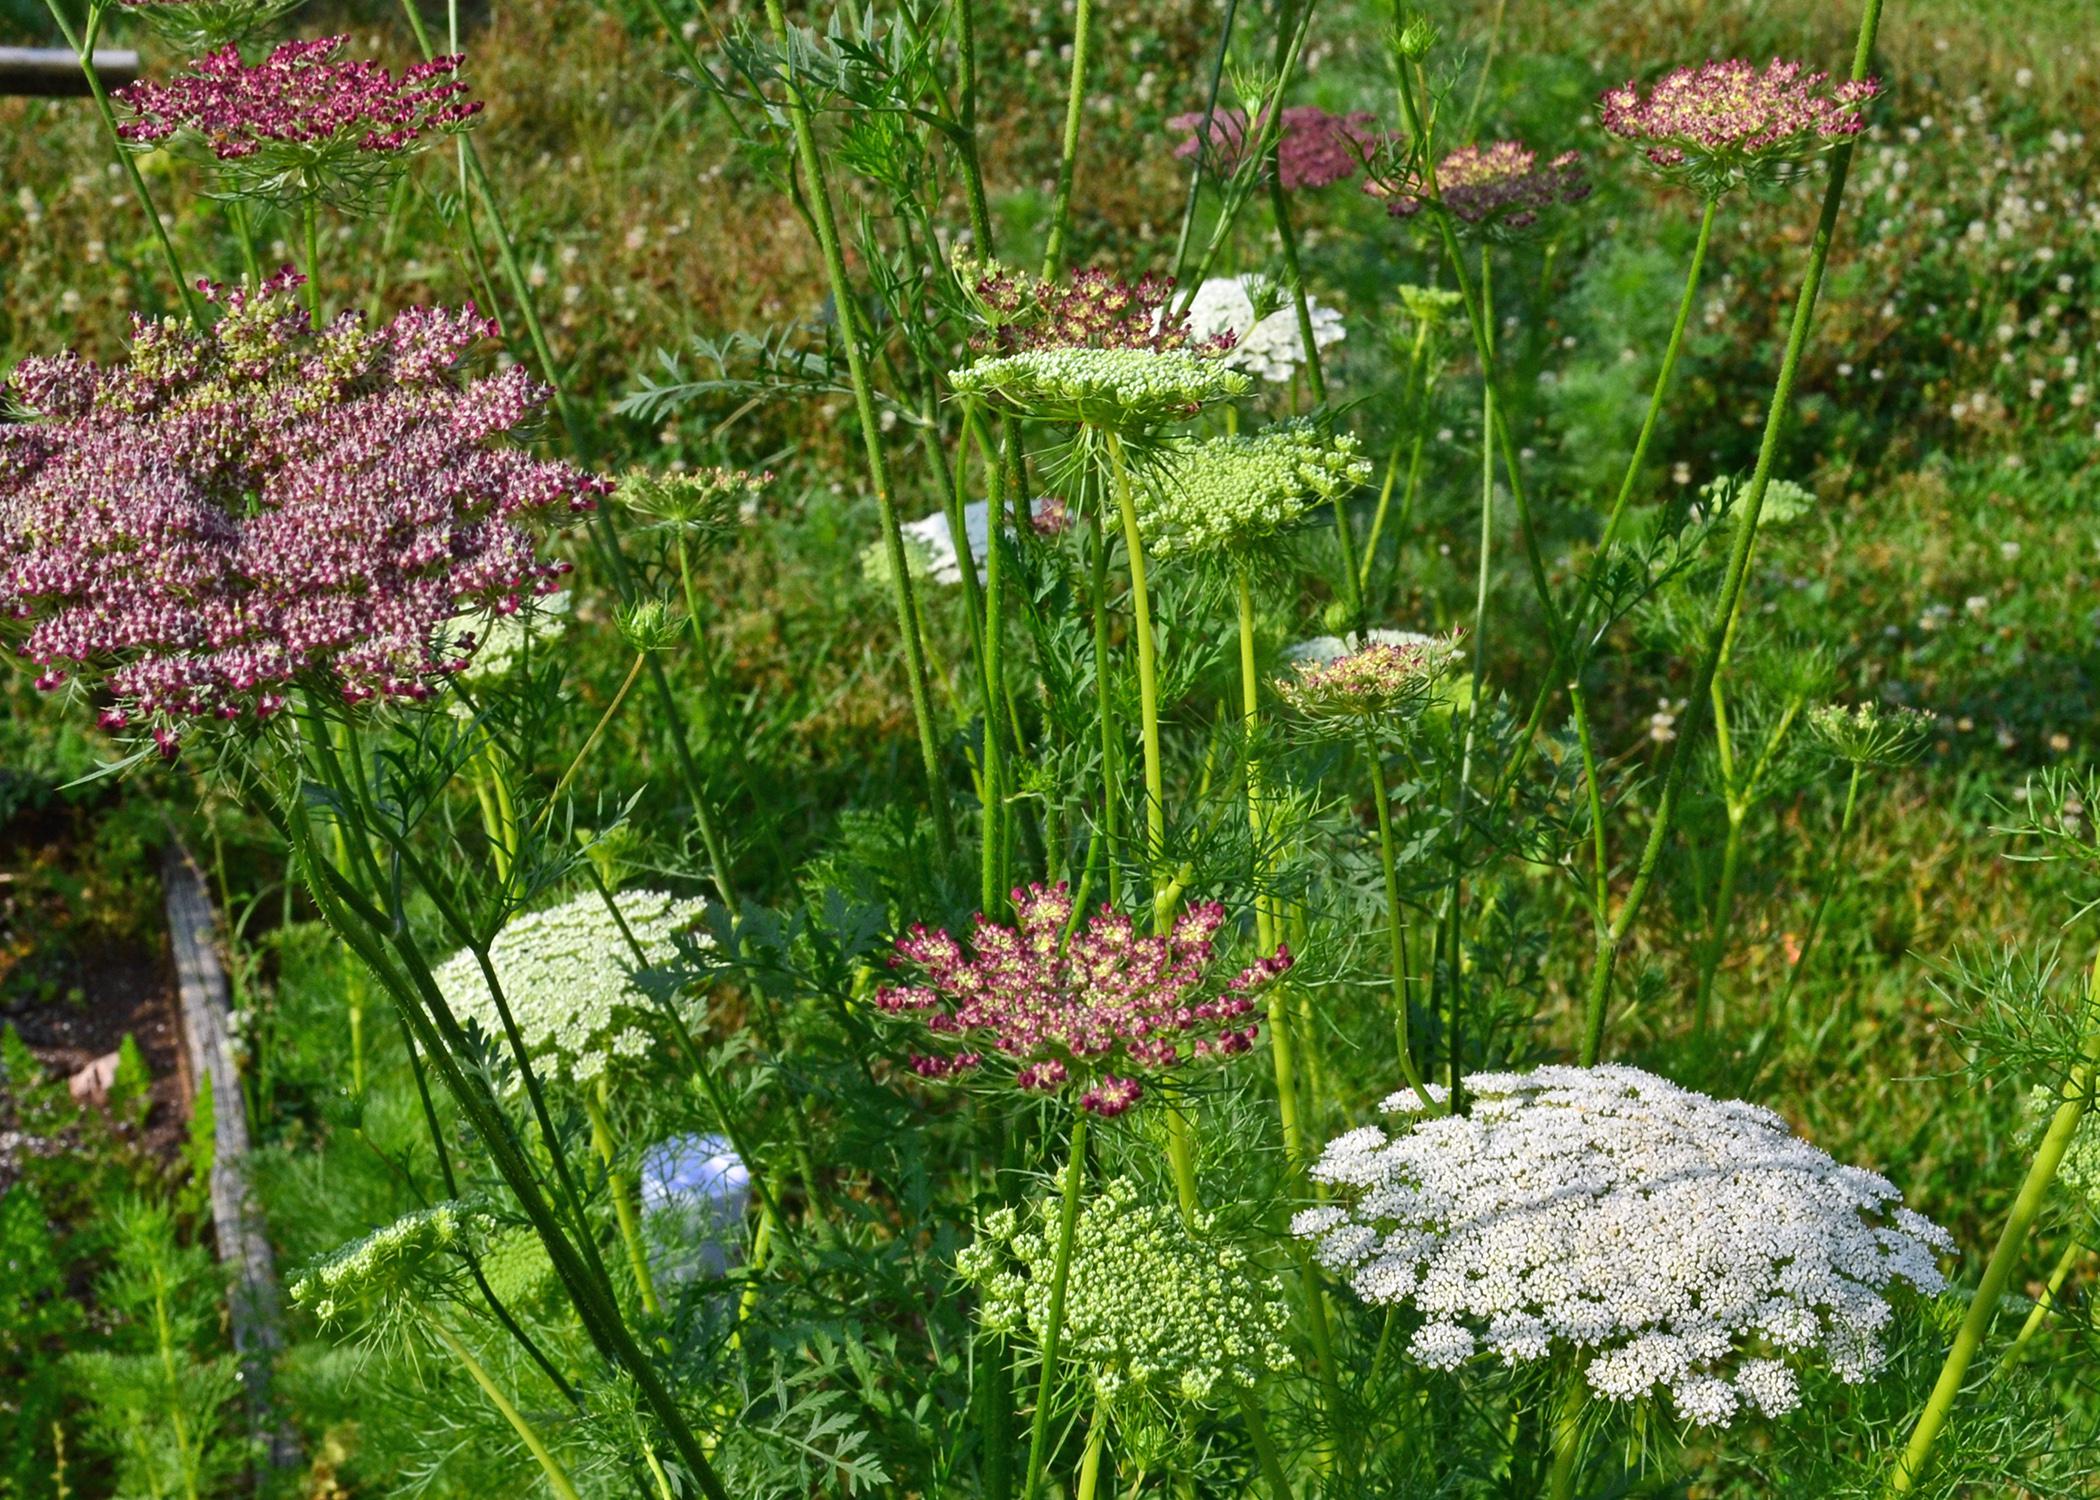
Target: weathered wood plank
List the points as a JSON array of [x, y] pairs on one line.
[[255, 1307], [54, 72]]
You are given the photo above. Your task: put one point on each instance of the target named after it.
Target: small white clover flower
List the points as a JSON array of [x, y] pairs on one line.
[[1148, 1303], [1262, 319], [1232, 493], [1671, 1243], [568, 976]]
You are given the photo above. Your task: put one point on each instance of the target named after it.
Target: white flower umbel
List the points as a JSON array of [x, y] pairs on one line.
[[1263, 321], [568, 976], [1665, 1240], [501, 641], [1149, 1303], [929, 544]]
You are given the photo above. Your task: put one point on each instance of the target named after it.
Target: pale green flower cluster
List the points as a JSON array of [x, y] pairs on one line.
[[393, 1262], [1870, 735], [1229, 493], [1148, 1304], [568, 976], [2079, 1171], [1119, 390]]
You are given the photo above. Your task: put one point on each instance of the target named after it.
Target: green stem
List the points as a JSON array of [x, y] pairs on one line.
[[1567, 1441], [1210, 114], [1068, 156], [703, 812], [842, 297], [590, 743], [1096, 1444], [83, 45], [1416, 389], [1111, 801], [995, 814], [966, 124], [1783, 1019], [622, 1196], [1060, 1273], [1717, 928], [557, 1476], [2074, 1247], [1265, 1454], [310, 207], [1395, 920], [2027, 1206], [1748, 510], [1148, 686]]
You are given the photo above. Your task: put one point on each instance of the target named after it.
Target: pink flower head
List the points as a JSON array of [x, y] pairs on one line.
[[262, 505], [1313, 148], [304, 122], [1085, 1014], [1725, 123], [1495, 189], [1089, 309], [1375, 681]]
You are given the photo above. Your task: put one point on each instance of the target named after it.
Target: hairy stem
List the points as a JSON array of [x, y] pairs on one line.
[[1060, 1273], [557, 1476], [1068, 155]]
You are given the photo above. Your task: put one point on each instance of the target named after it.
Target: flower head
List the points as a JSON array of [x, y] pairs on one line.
[[304, 122], [1327, 648], [569, 978], [501, 643], [1150, 1303], [1868, 734], [1261, 321], [259, 506], [1724, 124], [1498, 189], [1080, 1016], [394, 1263], [929, 542], [1118, 390], [1314, 149], [1664, 1240], [1230, 493], [702, 505], [1373, 682]]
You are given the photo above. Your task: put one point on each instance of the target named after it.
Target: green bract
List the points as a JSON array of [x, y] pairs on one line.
[[1149, 1303], [1870, 735], [1120, 390], [1232, 492]]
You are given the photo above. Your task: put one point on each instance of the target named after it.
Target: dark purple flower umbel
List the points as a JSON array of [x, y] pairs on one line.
[[1725, 123], [1313, 150], [1080, 1015], [237, 513], [1494, 189], [303, 121]]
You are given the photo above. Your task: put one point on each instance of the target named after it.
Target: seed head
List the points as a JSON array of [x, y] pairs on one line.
[[1727, 124], [1498, 190]]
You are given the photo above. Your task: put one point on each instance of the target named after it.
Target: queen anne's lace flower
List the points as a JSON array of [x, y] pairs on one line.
[[568, 976], [1229, 493], [1726, 123], [501, 643], [1668, 1241], [1325, 648], [1868, 734], [1149, 1303], [1262, 321], [304, 122], [1374, 681], [393, 1262], [929, 542], [1493, 189], [262, 505], [1080, 1015]]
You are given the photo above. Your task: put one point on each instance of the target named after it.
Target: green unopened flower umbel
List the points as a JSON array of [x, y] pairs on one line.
[[700, 504], [1868, 734], [1150, 1303], [393, 1263], [649, 624], [1230, 493], [1116, 389]]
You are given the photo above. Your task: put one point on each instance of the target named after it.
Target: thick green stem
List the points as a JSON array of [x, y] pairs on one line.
[[1110, 831], [1250, 723], [310, 208], [1748, 510], [1068, 155], [995, 813], [1265, 1452], [1567, 1441], [1718, 923], [622, 1190], [1997, 1274], [1060, 1273], [842, 296], [1096, 1445], [1148, 688], [966, 125], [83, 45], [703, 812], [557, 1476]]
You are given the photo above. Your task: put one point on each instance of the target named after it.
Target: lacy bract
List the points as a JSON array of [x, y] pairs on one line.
[[1150, 1303], [568, 976], [1664, 1240]]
